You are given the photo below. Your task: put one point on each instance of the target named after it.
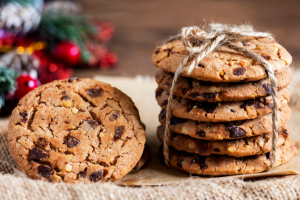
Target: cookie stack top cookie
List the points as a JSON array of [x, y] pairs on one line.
[[224, 64], [76, 130], [221, 112]]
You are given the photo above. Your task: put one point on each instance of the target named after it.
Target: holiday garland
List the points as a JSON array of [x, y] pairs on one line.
[[42, 42], [7, 82]]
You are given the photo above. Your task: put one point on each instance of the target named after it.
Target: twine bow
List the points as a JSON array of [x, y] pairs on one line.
[[208, 40]]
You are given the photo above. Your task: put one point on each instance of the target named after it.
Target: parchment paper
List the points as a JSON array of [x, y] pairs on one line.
[[142, 91]]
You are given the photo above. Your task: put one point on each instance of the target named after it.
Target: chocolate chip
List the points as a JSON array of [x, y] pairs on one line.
[[200, 65], [270, 105], [235, 131], [167, 50], [268, 155], [268, 88], [92, 123], [65, 97], [285, 131], [165, 102], [115, 116], [71, 142], [258, 105], [247, 103], [266, 57], [208, 107], [82, 174], [245, 43], [45, 171], [179, 164], [201, 162], [38, 154], [194, 94], [70, 80], [24, 116], [162, 114], [232, 110], [175, 121], [167, 83], [239, 71], [118, 132], [157, 51], [217, 150], [42, 142], [95, 92], [96, 176], [209, 96], [201, 133], [159, 91]]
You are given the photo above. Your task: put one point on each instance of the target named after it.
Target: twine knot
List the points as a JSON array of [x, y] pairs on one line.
[[201, 42]]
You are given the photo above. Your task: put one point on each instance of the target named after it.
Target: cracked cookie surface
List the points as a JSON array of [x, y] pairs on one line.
[[221, 112], [214, 92], [224, 64], [226, 130], [76, 130], [219, 165], [238, 148]]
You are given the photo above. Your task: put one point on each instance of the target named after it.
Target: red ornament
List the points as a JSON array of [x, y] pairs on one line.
[[67, 52], [25, 84], [109, 60]]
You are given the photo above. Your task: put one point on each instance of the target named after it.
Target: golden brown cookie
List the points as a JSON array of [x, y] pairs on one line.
[[219, 165], [248, 146], [214, 92], [76, 130], [226, 130], [145, 157], [224, 64], [222, 112]]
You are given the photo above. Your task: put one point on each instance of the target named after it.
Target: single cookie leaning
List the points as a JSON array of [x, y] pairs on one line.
[[238, 148], [222, 112], [225, 65], [76, 130], [145, 157], [217, 165], [214, 92], [226, 130]]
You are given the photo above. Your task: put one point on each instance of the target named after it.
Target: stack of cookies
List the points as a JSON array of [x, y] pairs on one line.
[[221, 120], [77, 130]]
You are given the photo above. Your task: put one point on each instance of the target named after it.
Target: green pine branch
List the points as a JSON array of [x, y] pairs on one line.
[[7, 82], [62, 27]]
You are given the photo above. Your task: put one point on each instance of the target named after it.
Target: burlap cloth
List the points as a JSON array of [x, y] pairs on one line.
[[18, 186]]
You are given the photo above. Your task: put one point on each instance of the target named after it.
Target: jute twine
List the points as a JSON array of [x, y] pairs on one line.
[[210, 38]]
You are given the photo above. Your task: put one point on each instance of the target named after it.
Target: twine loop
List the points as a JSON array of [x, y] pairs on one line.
[[201, 42]]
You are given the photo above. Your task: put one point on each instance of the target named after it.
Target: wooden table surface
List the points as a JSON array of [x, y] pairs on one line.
[[141, 25]]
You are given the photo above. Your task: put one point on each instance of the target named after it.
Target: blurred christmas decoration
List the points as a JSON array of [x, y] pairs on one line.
[[7, 84], [43, 41]]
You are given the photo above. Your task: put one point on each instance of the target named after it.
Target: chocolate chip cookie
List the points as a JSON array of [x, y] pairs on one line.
[[76, 130], [214, 92], [226, 130], [224, 64], [221, 112], [145, 157], [219, 165], [238, 148]]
